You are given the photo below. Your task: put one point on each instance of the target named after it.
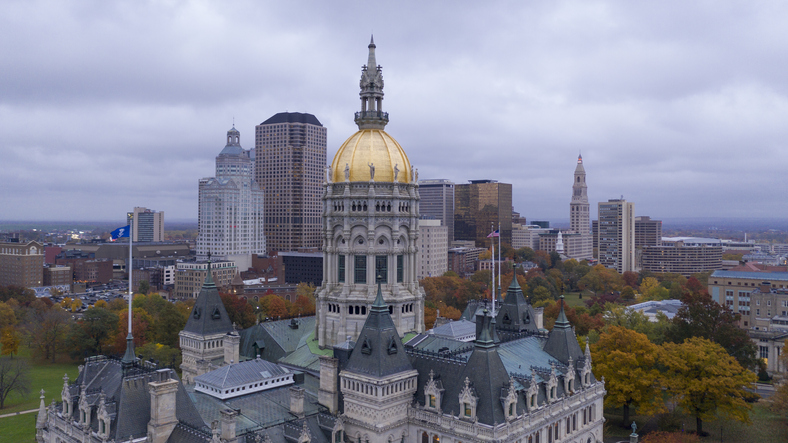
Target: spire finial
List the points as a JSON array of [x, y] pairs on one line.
[[379, 304], [580, 158], [372, 41]]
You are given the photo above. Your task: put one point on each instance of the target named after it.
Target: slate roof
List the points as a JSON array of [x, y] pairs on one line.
[[516, 314], [562, 342], [293, 117], [275, 339], [379, 351], [208, 315], [456, 329], [127, 398], [243, 373]]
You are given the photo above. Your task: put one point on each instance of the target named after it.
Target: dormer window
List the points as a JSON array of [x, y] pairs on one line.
[[366, 347], [433, 392], [468, 400], [432, 401]]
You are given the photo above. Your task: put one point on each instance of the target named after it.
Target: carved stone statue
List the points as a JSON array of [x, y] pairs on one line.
[[371, 171], [416, 176], [347, 172], [396, 171], [329, 173]]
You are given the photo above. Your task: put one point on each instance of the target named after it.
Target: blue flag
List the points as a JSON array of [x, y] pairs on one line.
[[120, 232]]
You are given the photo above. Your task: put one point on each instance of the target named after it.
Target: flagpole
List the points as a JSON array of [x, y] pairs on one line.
[[492, 259], [499, 258], [131, 268]]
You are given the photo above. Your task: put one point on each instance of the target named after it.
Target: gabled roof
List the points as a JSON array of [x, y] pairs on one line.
[[456, 329], [238, 374], [208, 315], [378, 351], [562, 342]]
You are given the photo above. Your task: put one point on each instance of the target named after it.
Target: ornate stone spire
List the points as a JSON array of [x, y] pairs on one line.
[[371, 84]]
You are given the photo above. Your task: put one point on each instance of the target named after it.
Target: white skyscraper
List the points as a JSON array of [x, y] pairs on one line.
[[617, 235], [230, 212], [579, 246]]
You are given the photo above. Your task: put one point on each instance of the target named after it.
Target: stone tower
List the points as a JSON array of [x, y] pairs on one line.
[[370, 226], [579, 216]]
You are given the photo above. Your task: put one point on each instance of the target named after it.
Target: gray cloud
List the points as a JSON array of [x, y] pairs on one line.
[[679, 107]]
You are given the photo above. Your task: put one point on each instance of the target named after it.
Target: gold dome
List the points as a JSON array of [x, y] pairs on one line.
[[371, 146]]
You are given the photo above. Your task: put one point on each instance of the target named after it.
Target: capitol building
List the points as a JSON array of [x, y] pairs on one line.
[[363, 370]]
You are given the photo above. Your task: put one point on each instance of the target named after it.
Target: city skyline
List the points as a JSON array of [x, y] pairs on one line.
[[118, 106]]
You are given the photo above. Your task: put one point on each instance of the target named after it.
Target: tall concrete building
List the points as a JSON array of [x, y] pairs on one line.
[[617, 235], [22, 264], [433, 249], [580, 245], [290, 157], [230, 209], [648, 232], [147, 225], [437, 201], [479, 207], [370, 226]]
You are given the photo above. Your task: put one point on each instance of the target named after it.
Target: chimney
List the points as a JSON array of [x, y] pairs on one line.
[[328, 394], [765, 287], [297, 401], [232, 344], [162, 407], [228, 424]]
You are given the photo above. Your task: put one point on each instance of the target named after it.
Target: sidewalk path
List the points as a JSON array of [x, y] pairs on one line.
[[18, 413]]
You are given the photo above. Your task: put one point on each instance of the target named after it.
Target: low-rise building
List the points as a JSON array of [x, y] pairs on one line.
[[683, 255], [463, 260], [189, 276], [58, 275], [21, 264]]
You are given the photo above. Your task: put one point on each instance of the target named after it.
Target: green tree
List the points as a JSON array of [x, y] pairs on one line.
[[144, 287], [652, 290], [163, 354], [93, 333], [600, 279], [14, 377], [628, 361], [707, 381], [700, 316]]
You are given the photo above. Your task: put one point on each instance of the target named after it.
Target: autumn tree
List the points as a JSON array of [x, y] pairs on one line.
[[14, 377], [630, 278], [628, 362], [7, 315], [601, 279], [650, 289], [619, 315], [9, 341], [274, 306], [46, 326], [241, 313], [21, 294], [700, 316], [706, 381]]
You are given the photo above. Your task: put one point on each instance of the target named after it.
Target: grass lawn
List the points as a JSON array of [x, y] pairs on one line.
[[766, 426], [18, 429], [573, 299], [43, 375]]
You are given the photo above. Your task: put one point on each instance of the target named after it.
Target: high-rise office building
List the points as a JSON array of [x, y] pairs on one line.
[[230, 211], [433, 249], [290, 160], [147, 225], [579, 246], [648, 232], [617, 235], [437, 202], [479, 207]]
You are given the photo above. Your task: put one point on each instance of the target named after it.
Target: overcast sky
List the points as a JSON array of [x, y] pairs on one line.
[[681, 107]]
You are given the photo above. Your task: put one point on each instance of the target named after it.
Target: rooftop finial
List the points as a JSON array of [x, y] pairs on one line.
[[580, 158], [372, 41], [371, 115]]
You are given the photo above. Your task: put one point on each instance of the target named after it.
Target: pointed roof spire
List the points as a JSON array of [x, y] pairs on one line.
[[378, 351], [42, 412], [371, 115], [562, 341], [208, 315], [372, 64], [562, 321], [379, 305], [580, 158]]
